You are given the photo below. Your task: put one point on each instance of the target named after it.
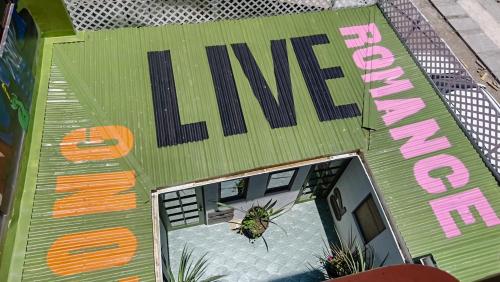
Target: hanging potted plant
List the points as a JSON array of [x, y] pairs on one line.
[[256, 221]]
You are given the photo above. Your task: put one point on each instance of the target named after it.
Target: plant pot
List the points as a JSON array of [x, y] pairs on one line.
[[337, 269], [260, 225], [331, 271]]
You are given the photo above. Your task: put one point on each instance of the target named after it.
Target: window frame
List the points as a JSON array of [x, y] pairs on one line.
[[284, 187], [359, 226], [235, 197]]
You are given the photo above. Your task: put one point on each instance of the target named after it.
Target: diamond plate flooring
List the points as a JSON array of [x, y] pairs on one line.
[[307, 225]]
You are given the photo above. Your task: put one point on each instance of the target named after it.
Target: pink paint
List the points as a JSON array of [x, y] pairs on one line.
[[389, 78], [460, 203], [368, 33], [418, 144], [458, 177], [445, 169], [396, 110], [385, 57]]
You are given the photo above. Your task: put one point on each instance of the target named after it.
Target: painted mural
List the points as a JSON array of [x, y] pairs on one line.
[[16, 85]]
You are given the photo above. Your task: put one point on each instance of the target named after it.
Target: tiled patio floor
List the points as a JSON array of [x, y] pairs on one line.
[[307, 226]]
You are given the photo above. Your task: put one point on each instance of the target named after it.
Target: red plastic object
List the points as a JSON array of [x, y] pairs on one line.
[[400, 273]]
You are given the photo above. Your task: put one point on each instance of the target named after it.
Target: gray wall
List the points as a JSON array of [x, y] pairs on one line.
[[354, 187], [163, 235], [256, 193]]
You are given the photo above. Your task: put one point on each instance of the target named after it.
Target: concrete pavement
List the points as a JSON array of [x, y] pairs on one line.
[[477, 22]]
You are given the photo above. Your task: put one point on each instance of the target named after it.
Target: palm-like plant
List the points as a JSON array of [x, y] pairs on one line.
[[189, 272], [347, 258], [256, 220]]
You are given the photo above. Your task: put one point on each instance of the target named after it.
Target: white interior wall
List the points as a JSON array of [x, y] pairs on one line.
[[354, 187]]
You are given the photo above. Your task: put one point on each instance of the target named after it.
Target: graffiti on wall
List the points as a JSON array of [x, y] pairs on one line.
[[16, 83]]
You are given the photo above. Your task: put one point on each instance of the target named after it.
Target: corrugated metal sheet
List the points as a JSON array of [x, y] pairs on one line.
[[111, 64], [65, 113], [105, 81], [476, 252]]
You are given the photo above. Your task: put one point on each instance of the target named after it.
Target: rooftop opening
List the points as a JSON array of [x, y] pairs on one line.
[[314, 204]]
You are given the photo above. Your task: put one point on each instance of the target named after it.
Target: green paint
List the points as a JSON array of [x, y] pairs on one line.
[[23, 116], [219, 155], [50, 16], [14, 245], [104, 80], [474, 254], [137, 220]]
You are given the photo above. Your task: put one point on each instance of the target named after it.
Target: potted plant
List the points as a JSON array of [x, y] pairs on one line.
[[257, 220], [347, 258]]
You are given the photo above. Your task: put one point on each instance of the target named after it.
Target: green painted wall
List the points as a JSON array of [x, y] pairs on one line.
[[50, 16]]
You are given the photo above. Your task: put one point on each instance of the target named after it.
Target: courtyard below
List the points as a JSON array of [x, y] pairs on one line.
[[292, 251]]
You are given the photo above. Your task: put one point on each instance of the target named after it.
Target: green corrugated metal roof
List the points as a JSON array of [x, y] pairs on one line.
[[91, 67], [65, 113], [104, 80], [475, 253]]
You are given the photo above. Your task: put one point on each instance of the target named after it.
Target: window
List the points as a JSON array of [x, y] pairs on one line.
[[280, 180], [368, 218], [233, 190], [425, 260]]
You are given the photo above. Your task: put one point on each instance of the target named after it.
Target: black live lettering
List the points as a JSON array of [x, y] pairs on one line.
[[279, 113], [278, 109], [315, 78], [169, 129], [228, 101]]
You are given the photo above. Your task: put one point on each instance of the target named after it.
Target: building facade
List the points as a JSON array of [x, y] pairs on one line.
[[140, 133]]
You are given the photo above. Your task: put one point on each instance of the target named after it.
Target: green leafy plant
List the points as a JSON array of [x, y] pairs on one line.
[[347, 258], [241, 185], [189, 271], [257, 220]]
